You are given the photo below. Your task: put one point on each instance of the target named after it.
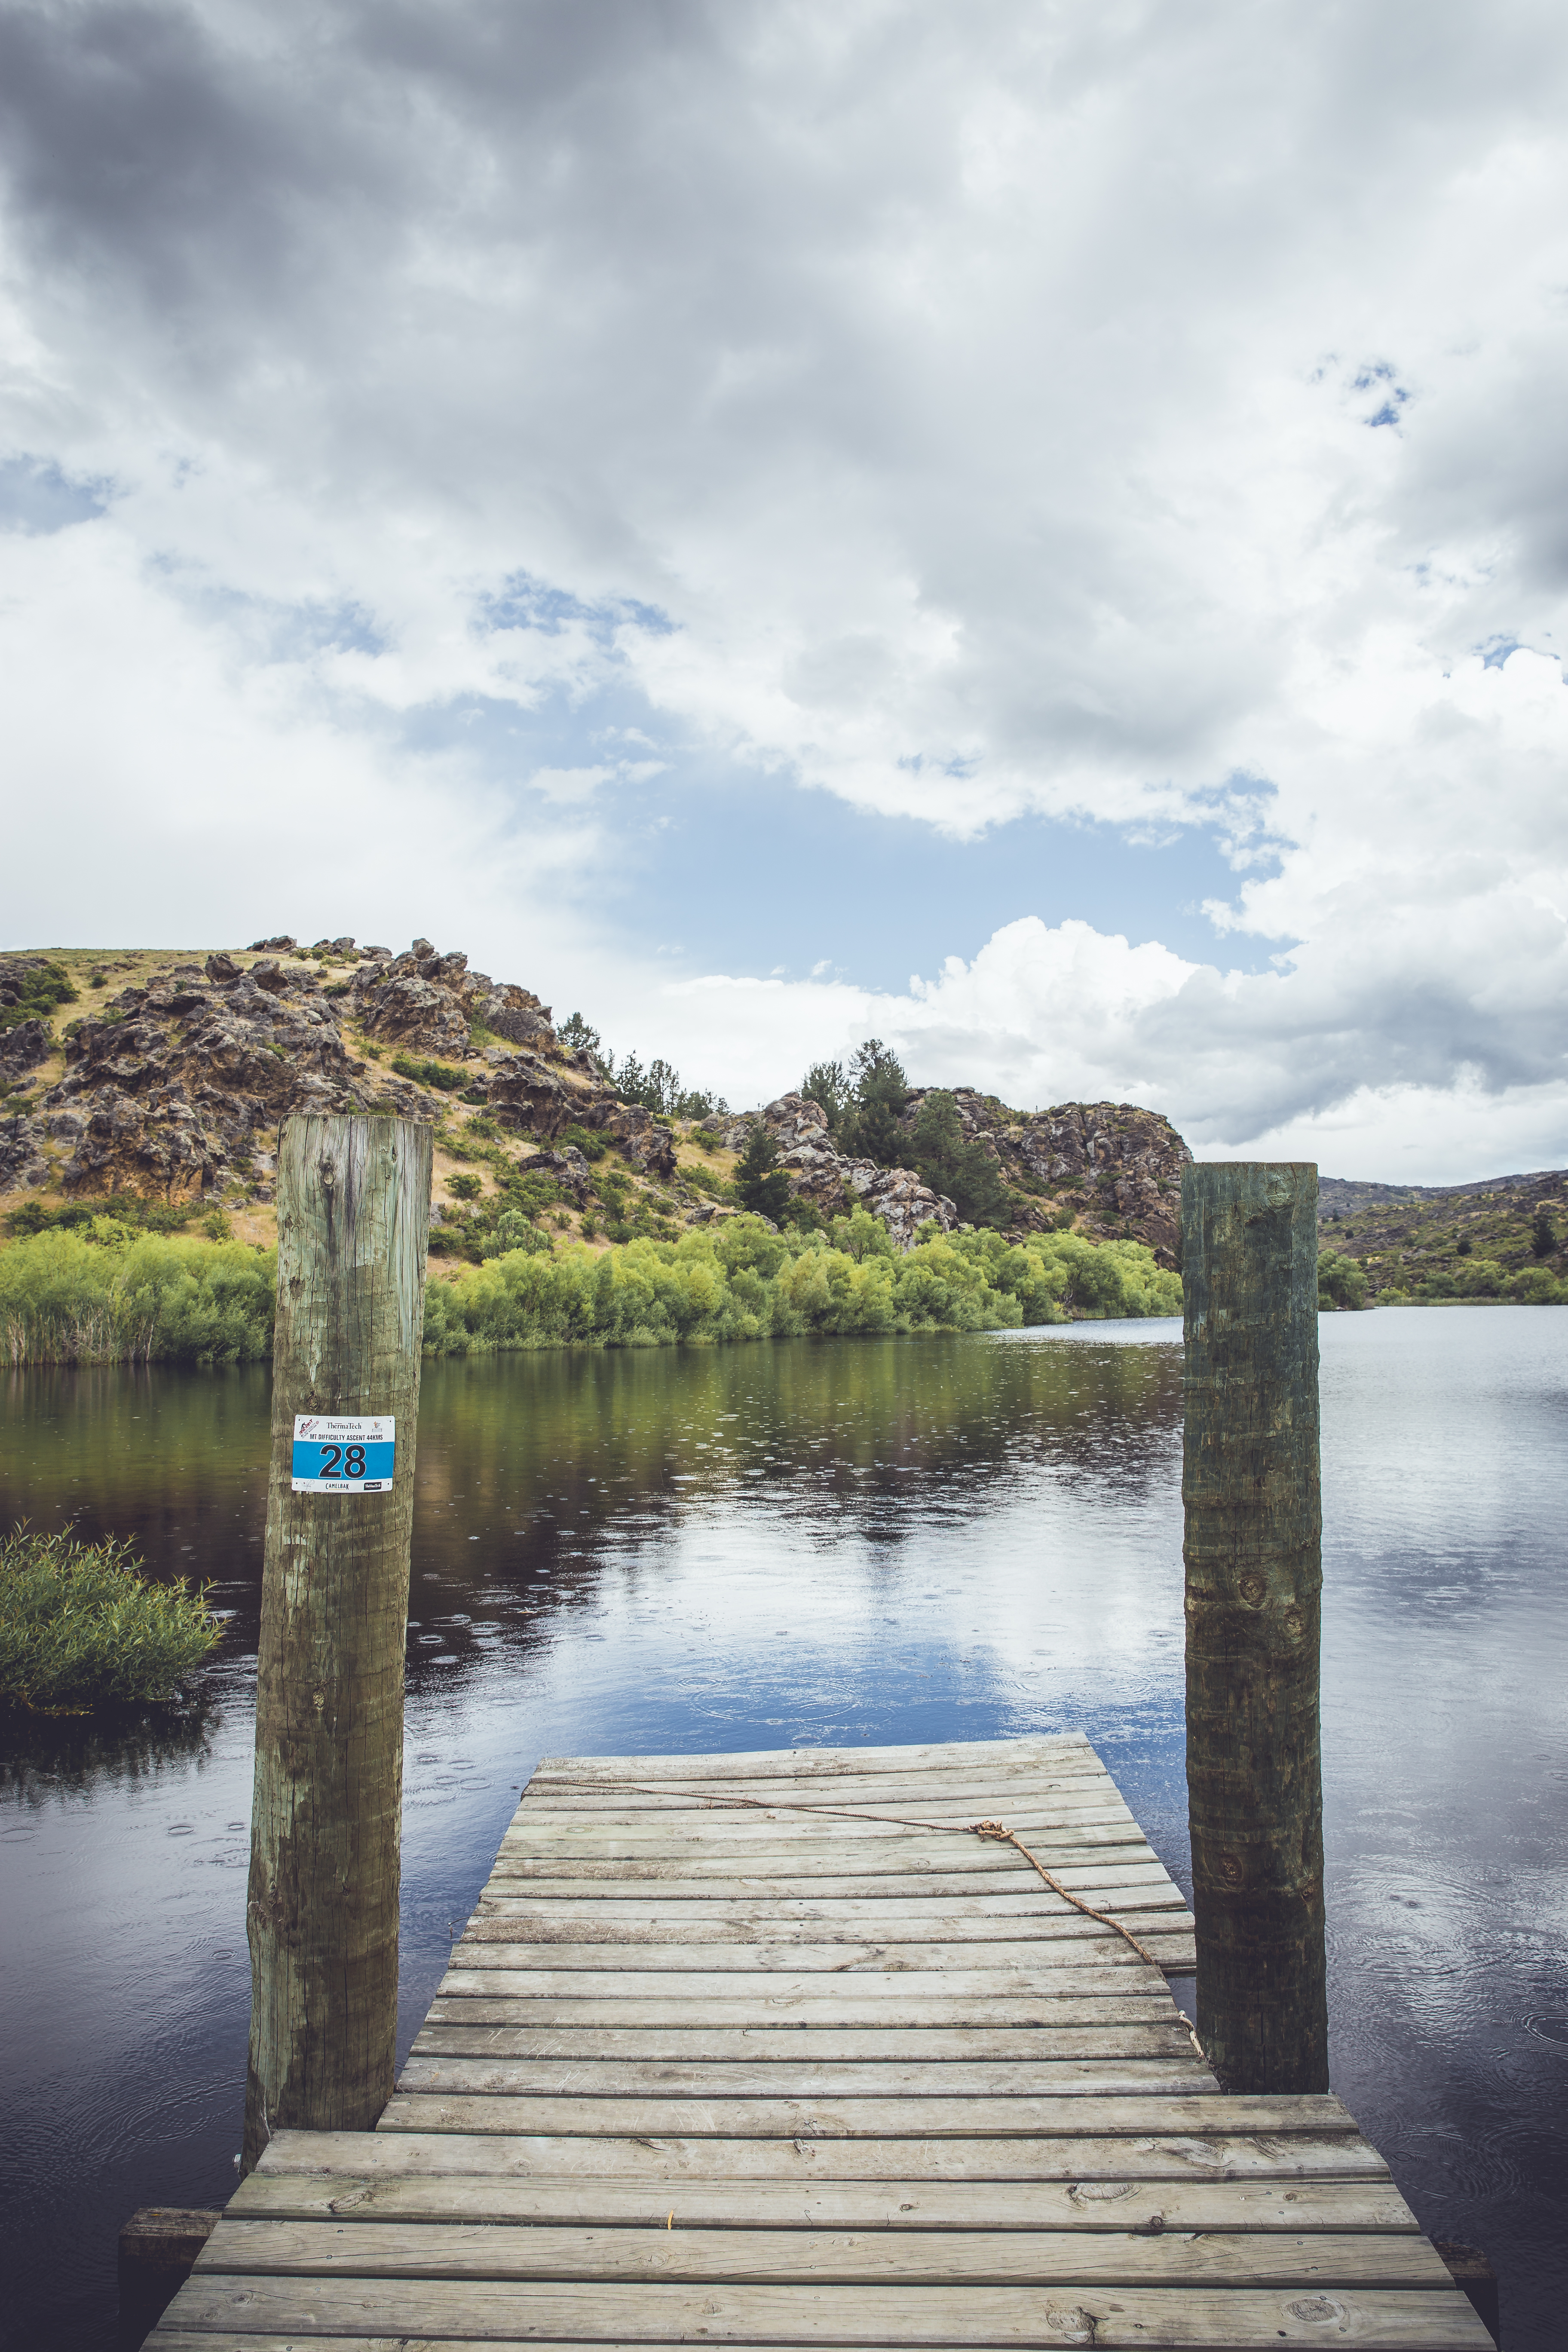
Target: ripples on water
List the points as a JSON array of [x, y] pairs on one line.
[[825, 1543]]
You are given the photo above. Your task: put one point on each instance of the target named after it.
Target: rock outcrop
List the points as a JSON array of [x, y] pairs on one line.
[[173, 1088], [1112, 1169], [23, 1047], [829, 1179], [1116, 1167], [434, 1004]]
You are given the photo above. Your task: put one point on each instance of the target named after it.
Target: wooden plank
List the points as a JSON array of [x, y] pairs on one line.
[[1015, 2014], [766, 2077], [823, 1763], [795, 2045], [440, 2314], [608, 1881], [1099, 1968], [522, 1921], [688, 2116], [1121, 2205], [906, 1859], [440, 2075], [1015, 1906], [1043, 1952], [899, 2260], [736, 1835], [1082, 1798], [1334, 2151]]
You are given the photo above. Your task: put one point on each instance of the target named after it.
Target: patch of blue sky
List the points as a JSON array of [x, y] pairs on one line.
[[523, 601], [715, 866], [37, 498], [757, 875]]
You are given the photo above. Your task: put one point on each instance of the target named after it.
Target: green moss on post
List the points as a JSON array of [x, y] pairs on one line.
[[353, 1208], [1254, 1582]]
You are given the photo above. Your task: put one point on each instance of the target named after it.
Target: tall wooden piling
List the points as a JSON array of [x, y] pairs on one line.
[[1254, 1581], [354, 1211]]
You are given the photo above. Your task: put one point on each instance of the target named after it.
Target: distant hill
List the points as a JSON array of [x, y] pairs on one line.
[[1435, 1241], [151, 1083]]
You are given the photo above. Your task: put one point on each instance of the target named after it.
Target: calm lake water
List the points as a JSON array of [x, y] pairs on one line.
[[824, 1542]]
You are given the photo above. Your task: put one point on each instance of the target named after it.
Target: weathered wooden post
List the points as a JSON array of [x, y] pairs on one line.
[[1254, 1585], [353, 1213]]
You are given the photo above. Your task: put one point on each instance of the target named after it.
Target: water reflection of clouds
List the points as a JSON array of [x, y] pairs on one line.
[[880, 1541]]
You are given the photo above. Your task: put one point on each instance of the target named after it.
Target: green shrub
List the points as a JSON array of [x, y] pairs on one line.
[[439, 1074], [127, 1209], [738, 1281], [82, 1624], [585, 1139], [465, 1187], [39, 988], [139, 1299], [1342, 1282]]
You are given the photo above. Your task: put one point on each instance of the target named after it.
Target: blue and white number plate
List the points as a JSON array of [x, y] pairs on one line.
[[343, 1452]]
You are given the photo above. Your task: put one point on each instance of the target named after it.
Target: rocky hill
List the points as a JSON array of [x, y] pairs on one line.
[[1435, 1241], [1108, 1170], [163, 1077]]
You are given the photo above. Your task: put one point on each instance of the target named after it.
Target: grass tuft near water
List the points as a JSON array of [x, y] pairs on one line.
[[82, 1625]]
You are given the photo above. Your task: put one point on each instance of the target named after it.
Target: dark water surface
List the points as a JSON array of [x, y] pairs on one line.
[[824, 1542]]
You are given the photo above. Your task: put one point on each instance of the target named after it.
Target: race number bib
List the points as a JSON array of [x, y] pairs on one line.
[[344, 1454]]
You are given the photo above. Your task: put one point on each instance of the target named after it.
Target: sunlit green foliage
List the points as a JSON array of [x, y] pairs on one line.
[[81, 1623], [1340, 1281], [738, 1281], [119, 1297]]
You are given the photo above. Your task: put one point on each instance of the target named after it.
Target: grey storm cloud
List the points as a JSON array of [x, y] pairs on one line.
[[1126, 412]]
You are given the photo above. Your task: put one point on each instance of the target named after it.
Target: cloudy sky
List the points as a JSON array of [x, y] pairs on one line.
[[1036, 530]]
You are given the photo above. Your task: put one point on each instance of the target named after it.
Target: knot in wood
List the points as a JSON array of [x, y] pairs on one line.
[[1230, 1870], [1253, 1591]]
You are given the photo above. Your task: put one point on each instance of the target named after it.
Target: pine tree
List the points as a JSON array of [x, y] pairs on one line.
[[761, 1183]]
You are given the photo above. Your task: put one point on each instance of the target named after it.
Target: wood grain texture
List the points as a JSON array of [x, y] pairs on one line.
[[763, 2079], [438, 2315], [353, 1208], [1253, 1551], [275, 2246], [598, 2203], [1333, 2150]]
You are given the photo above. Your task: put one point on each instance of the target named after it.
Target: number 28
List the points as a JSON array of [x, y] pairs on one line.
[[351, 1457]]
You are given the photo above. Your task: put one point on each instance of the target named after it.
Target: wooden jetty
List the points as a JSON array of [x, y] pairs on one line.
[[774, 2051]]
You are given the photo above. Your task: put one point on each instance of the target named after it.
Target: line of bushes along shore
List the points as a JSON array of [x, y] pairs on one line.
[[73, 1297]]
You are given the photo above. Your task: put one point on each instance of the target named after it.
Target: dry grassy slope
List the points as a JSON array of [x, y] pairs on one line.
[[1110, 1169], [1403, 1235], [99, 974]]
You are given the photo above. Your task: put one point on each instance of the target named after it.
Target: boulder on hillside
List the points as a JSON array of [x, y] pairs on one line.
[[23, 1164], [433, 1003], [284, 944], [23, 1047]]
